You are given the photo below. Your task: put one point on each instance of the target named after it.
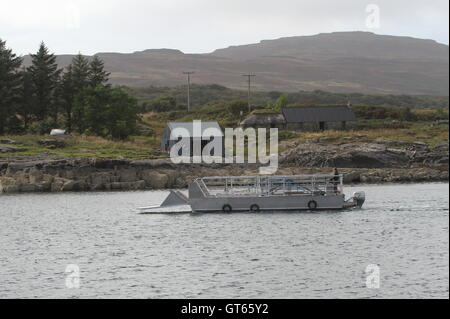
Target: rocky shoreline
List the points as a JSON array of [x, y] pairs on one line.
[[369, 163], [83, 174], [381, 154]]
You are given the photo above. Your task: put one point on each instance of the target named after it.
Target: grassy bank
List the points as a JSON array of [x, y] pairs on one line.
[[141, 147], [138, 147], [417, 132]]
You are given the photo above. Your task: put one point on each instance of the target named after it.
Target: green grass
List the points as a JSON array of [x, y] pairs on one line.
[[143, 147], [266, 111], [203, 94], [216, 112], [413, 132], [139, 147]]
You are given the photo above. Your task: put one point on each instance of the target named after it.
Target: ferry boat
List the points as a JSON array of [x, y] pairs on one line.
[[260, 193]]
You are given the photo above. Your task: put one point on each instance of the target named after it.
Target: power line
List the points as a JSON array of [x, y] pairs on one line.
[[249, 76], [189, 89]]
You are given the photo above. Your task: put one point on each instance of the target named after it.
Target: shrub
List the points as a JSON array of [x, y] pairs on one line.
[[281, 102], [237, 106], [287, 135], [162, 104], [106, 112], [43, 127]]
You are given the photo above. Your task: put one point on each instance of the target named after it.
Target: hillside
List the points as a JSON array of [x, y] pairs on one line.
[[336, 62], [204, 94], [339, 45]]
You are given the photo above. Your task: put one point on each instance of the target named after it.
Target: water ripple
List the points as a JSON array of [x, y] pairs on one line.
[[403, 229]]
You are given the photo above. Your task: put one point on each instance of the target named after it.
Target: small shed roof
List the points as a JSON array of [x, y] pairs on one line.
[[190, 127], [338, 113]]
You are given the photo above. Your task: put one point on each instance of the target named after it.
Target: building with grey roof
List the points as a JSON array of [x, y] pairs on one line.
[[205, 132], [318, 117]]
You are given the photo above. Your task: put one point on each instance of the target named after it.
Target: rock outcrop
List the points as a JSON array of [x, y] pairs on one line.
[[7, 141], [382, 162], [388, 154], [10, 149], [52, 143], [83, 174]]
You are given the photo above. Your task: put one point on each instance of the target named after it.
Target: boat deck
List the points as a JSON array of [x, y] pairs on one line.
[[172, 210], [270, 185], [259, 193]]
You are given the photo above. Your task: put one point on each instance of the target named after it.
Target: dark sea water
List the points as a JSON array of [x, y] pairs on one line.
[[403, 229]]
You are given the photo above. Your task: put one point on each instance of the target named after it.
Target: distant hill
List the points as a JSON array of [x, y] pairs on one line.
[[341, 45], [336, 62]]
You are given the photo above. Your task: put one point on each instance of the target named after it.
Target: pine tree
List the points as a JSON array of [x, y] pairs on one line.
[[67, 94], [9, 84], [80, 72], [108, 112], [98, 75], [27, 98], [74, 81], [44, 74]]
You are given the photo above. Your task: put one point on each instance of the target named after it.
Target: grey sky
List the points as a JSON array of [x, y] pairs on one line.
[[198, 26]]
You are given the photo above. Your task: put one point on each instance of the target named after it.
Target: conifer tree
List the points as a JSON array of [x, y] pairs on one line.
[[74, 80], [27, 98], [80, 72], [44, 74], [67, 94], [97, 74], [9, 85]]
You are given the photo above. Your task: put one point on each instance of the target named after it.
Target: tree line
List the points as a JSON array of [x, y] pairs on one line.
[[40, 97], [204, 94]]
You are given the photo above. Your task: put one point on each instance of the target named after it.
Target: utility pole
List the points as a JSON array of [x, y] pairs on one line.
[[189, 89], [249, 76]]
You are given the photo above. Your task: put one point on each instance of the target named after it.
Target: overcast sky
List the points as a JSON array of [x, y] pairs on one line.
[[199, 26]]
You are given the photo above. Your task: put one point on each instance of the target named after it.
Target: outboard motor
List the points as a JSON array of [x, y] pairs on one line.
[[359, 198]]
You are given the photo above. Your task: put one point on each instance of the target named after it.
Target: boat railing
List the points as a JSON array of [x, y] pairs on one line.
[[202, 185], [221, 186]]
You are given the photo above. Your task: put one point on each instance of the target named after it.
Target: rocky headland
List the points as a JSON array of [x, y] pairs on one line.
[[381, 162]]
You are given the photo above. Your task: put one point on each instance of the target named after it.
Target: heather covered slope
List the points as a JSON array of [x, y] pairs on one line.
[[337, 62], [341, 44]]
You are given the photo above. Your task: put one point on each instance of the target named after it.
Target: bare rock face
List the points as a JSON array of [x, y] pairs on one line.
[[74, 186], [52, 143], [155, 179], [8, 141], [82, 174], [127, 175], [10, 149], [380, 162], [366, 155]]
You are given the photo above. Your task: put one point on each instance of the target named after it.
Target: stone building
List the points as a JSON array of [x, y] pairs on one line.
[[318, 118], [209, 131], [310, 118], [266, 120]]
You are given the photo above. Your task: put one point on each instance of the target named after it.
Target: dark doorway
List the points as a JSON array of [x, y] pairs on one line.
[[322, 126]]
